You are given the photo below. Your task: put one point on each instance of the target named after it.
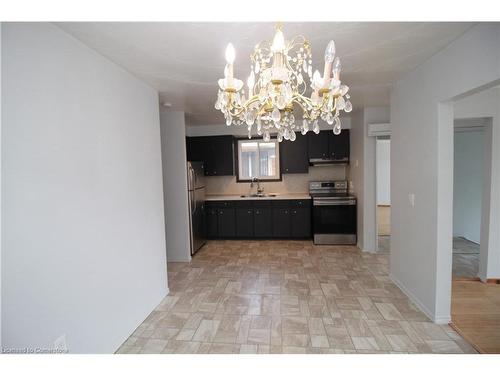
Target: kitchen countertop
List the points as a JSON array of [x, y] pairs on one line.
[[235, 197]]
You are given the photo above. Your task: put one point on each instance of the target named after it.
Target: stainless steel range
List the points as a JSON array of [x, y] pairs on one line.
[[334, 213]]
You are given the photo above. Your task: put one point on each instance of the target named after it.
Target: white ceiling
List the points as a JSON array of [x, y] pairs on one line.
[[184, 60]]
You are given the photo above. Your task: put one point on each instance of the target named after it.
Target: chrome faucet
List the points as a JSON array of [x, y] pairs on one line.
[[260, 190]]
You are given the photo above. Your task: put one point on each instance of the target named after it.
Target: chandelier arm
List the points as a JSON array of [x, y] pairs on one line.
[[294, 42], [304, 110], [239, 109], [235, 110]]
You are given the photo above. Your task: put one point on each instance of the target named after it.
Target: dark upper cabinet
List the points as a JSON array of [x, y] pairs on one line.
[[294, 155], [244, 222], [262, 222], [196, 148], [281, 222], [338, 146], [226, 222], [327, 145], [216, 152], [318, 145], [220, 156]]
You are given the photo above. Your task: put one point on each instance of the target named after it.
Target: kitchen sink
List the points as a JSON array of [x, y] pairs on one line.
[[258, 196]]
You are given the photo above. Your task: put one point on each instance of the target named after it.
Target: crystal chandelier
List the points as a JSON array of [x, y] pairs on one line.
[[277, 87]]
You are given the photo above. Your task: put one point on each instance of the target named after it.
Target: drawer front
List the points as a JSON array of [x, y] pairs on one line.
[[220, 204], [300, 203], [281, 203], [244, 204], [262, 203]]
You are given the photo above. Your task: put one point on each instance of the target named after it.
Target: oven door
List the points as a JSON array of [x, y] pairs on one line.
[[334, 221]]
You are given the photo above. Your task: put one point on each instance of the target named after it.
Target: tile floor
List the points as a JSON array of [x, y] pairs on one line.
[[384, 244], [465, 258], [287, 297]]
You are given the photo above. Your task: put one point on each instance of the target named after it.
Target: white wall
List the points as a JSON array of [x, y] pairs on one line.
[[362, 173], [0, 185], [383, 171], [467, 184], [422, 164], [83, 246], [173, 145]]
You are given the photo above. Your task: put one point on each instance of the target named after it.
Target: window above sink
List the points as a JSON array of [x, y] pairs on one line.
[[258, 159]]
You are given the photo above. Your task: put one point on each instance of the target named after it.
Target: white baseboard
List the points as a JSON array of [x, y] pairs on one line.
[[442, 320], [420, 305]]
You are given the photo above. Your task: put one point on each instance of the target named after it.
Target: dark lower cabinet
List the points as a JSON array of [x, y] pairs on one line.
[[259, 219], [281, 222], [226, 222], [244, 222], [262, 222], [300, 221], [212, 218]]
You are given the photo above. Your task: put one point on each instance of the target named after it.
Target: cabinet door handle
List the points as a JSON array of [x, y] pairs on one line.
[[257, 212], [294, 211], [286, 212], [249, 211]]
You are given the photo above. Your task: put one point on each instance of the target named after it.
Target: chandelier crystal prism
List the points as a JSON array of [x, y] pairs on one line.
[[277, 88]]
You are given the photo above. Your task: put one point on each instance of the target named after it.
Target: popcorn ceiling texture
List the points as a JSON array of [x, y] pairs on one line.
[[291, 183]]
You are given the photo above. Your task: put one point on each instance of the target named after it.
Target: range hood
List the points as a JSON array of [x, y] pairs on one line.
[[325, 161]]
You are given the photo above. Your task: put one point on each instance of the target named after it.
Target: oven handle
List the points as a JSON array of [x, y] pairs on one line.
[[350, 202]]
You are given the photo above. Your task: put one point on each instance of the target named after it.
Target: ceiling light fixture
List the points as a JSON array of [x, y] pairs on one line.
[[276, 87]]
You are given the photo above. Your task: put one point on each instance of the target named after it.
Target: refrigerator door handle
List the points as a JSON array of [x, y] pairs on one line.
[[193, 202], [189, 177]]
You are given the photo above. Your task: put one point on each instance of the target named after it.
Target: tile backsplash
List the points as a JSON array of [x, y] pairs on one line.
[[291, 183]]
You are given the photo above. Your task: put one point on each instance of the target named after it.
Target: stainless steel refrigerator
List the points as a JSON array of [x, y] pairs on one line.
[[196, 197]]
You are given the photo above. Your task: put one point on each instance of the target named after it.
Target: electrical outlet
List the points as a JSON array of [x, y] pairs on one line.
[[356, 163], [411, 198], [60, 344]]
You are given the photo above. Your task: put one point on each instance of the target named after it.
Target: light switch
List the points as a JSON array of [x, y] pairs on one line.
[[411, 198]]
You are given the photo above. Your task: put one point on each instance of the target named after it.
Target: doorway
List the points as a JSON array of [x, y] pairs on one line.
[[383, 192], [468, 166], [475, 298]]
